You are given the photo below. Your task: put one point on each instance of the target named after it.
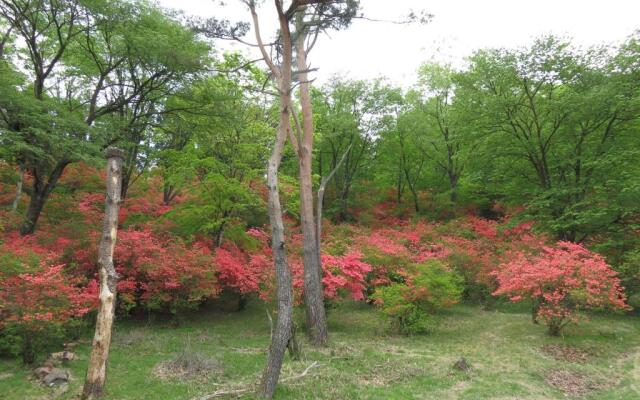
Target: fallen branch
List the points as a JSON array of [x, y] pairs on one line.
[[243, 391], [303, 374], [221, 393]]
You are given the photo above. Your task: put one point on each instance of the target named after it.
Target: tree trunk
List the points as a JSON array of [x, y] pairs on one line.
[[36, 204], [453, 186], [28, 352], [399, 188], [169, 193], [535, 307], [39, 194], [220, 233], [313, 291], [126, 176], [97, 369], [281, 335], [283, 330], [16, 200]]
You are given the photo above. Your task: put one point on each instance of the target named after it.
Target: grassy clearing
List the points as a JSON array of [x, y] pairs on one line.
[[510, 359]]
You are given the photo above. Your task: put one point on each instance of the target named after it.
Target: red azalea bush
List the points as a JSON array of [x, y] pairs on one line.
[[560, 281], [242, 272], [476, 246], [347, 272], [344, 270], [156, 273], [38, 301]]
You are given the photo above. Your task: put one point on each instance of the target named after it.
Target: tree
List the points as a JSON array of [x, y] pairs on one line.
[[282, 333], [220, 124], [350, 115], [97, 369], [555, 120], [86, 63], [448, 136], [311, 19], [398, 146], [214, 151]]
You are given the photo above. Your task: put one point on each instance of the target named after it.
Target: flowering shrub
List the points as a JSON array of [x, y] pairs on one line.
[[344, 274], [347, 272], [239, 271], [559, 281], [155, 273], [37, 302], [427, 289], [476, 246]]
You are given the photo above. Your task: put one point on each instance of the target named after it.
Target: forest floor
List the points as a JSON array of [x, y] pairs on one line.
[[509, 358]]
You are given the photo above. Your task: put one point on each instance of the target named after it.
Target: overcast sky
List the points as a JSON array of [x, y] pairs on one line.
[[371, 49]]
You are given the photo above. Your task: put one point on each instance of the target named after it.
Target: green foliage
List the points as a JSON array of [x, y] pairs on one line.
[[349, 116], [629, 274], [411, 305], [96, 74], [556, 122], [214, 204]]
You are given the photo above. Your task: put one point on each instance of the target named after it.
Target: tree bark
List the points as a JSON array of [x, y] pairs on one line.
[[453, 186], [39, 194], [281, 335], [169, 193], [313, 291], [283, 330], [16, 200], [36, 204], [97, 369]]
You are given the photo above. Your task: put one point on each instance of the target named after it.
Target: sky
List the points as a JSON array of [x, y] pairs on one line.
[[368, 50]]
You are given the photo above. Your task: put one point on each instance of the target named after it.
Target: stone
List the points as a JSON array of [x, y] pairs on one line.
[[63, 356], [43, 371], [462, 365], [55, 377]]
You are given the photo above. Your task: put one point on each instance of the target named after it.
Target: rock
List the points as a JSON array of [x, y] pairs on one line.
[[59, 390], [462, 365], [63, 356], [56, 376], [43, 371]]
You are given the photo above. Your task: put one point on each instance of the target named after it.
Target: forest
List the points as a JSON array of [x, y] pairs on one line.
[[183, 221]]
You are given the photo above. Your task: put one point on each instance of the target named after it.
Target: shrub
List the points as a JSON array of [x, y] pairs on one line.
[[558, 282], [629, 274], [429, 287], [37, 304], [156, 273], [346, 273], [239, 271]]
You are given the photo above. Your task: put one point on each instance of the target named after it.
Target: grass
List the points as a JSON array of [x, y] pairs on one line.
[[364, 360]]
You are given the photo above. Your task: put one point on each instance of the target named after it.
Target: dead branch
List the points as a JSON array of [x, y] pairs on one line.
[[243, 391]]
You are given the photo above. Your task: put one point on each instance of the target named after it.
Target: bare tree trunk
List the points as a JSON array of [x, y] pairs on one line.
[[97, 369], [16, 200], [284, 326], [313, 291], [282, 334]]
